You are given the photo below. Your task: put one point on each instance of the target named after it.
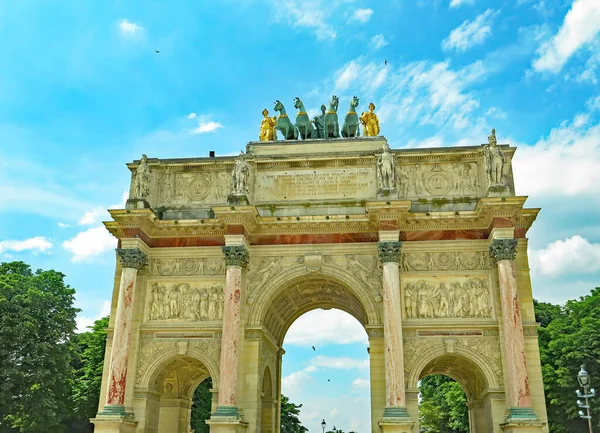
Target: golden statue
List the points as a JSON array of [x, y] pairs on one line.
[[267, 127], [370, 122]]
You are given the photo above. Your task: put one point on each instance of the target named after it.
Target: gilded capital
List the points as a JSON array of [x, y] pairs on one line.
[[132, 258], [236, 255], [389, 251], [503, 249]]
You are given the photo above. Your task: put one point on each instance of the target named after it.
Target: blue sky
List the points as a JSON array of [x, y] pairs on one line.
[[82, 92]]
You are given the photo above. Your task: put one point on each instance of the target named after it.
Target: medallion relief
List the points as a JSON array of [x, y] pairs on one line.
[[182, 302], [431, 299], [184, 188], [438, 180]]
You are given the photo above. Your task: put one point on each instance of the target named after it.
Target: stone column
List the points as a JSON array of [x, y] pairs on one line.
[[395, 398], [236, 259], [132, 260], [518, 395]]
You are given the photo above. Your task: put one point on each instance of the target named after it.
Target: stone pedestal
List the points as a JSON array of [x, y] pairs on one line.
[[226, 413], [522, 427], [399, 425], [224, 424], [237, 199], [395, 413], [113, 424], [136, 203]]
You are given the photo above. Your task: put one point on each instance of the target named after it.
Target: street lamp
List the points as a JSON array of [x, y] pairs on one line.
[[323, 425], [584, 381]]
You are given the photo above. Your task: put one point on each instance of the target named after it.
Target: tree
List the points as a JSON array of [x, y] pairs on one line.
[[568, 338], [37, 322], [88, 362], [202, 402], [290, 423], [443, 407]]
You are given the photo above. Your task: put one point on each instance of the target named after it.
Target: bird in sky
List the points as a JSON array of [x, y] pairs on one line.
[[328, 380], [156, 51], [314, 348], [385, 63]]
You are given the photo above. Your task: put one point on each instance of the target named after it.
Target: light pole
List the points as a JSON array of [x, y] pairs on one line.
[[323, 425], [584, 381]]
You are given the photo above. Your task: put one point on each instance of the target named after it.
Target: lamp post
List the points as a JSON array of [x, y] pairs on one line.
[[584, 381], [323, 425]]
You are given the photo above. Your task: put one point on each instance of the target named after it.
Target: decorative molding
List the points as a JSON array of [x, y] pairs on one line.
[[389, 251], [132, 258], [179, 267], [503, 249], [236, 255], [445, 261]]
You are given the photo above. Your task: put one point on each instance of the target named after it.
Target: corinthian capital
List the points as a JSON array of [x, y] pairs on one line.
[[132, 258], [236, 255], [389, 251], [503, 249]]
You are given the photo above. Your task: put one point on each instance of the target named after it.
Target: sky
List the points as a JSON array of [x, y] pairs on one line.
[[83, 91]]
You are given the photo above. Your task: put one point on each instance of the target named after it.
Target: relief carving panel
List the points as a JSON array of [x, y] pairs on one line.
[[438, 180], [184, 188], [186, 267], [182, 302], [445, 261], [464, 298]]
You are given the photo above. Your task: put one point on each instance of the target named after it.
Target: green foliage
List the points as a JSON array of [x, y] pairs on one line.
[[88, 361], [37, 322], [201, 406], [290, 423], [569, 337], [443, 407]]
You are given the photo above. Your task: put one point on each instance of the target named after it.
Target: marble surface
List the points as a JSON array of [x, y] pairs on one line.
[[518, 392], [119, 355]]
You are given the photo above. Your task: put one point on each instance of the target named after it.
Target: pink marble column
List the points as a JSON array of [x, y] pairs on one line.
[[518, 394], [131, 261], [395, 396], [236, 259]]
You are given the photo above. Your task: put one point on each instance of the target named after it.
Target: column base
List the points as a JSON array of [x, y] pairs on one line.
[[227, 419], [522, 420], [114, 419], [396, 420]]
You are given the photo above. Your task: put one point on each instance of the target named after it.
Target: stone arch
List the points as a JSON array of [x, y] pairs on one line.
[[267, 402], [160, 361], [366, 298], [457, 364]]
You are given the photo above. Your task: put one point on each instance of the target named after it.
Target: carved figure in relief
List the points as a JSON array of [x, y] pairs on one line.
[[370, 122], [427, 300], [239, 176], [495, 160], [267, 127], [386, 169], [155, 310], [204, 304], [419, 181], [362, 272], [212, 304], [174, 302], [141, 179], [196, 304], [403, 182], [269, 267], [220, 305]]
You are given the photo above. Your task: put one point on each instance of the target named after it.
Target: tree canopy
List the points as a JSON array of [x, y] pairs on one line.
[[443, 406], [37, 325], [290, 422]]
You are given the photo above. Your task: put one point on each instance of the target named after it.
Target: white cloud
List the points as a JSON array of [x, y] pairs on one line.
[[378, 41], [457, 3], [83, 322], [206, 125], [320, 327], [310, 14], [574, 255], [470, 33], [579, 28], [333, 412], [63, 225], [572, 149], [362, 15], [90, 243], [90, 217], [128, 28], [361, 383], [35, 244], [340, 363], [294, 381], [495, 113], [191, 115]]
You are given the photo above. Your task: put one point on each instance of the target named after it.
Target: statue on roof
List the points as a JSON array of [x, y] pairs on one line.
[[267, 127], [495, 161], [141, 179], [319, 121], [386, 170], [351, 128], [370, 122], [239, 176]]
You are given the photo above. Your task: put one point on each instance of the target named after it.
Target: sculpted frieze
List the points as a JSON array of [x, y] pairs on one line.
[[184, 188], [438, 180], [431, 299], [445, 261], [182, 302], [186, 267], [263, 270]]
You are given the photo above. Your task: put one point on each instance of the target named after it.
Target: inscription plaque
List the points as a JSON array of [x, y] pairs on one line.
[[355, 183]]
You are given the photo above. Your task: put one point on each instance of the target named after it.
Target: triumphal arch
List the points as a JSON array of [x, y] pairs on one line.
[[218, 256]]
